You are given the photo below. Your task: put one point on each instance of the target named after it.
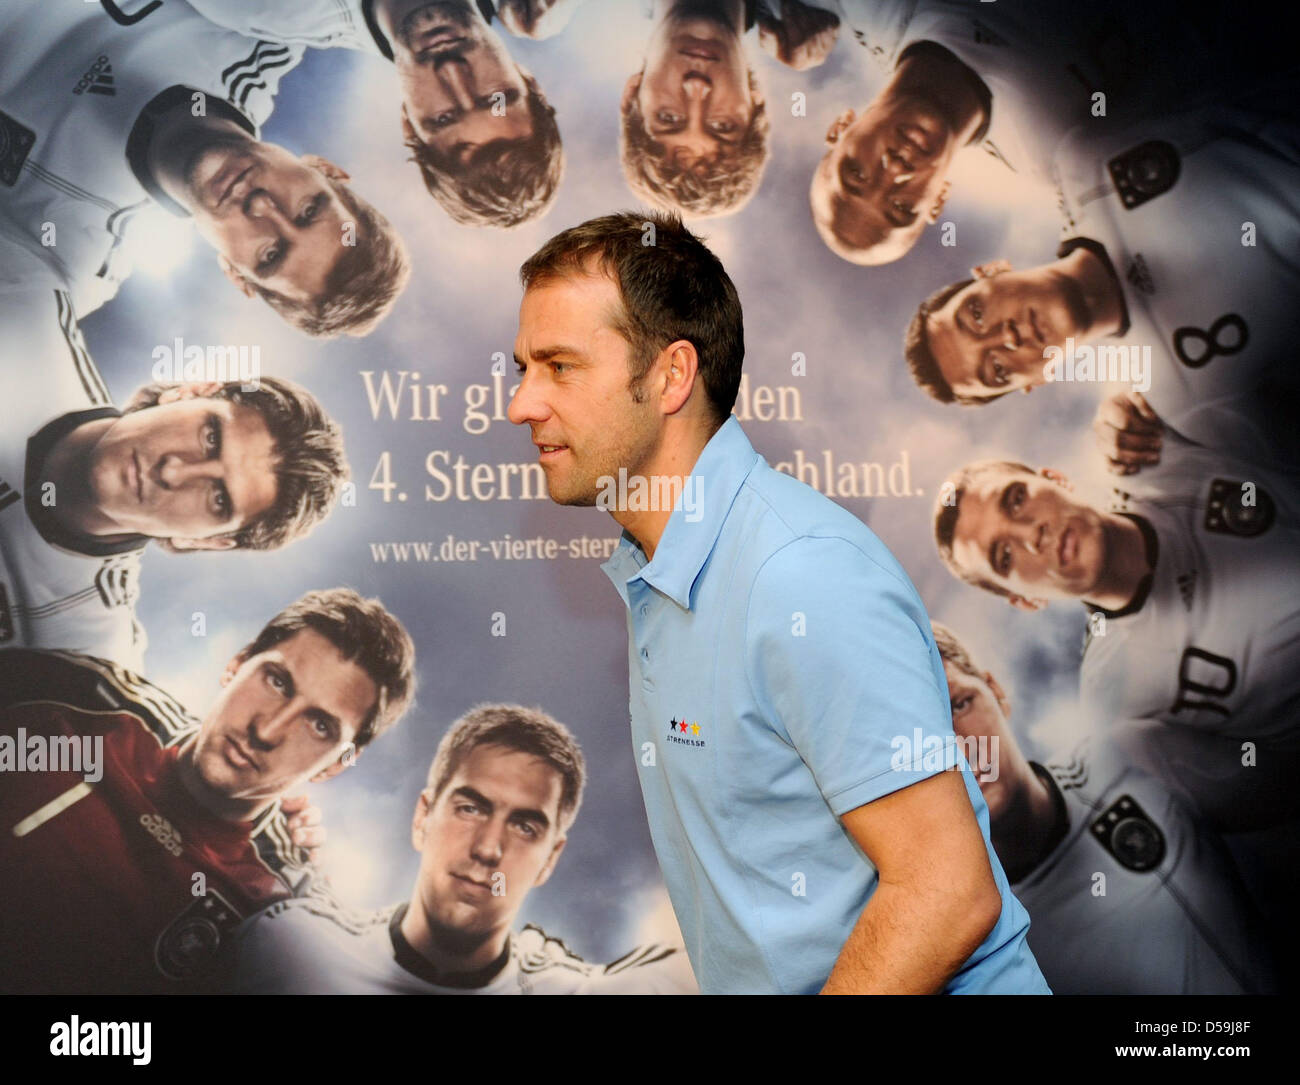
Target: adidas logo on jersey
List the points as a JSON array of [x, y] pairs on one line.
[[161, 830], [98, 79], [1187, 587]]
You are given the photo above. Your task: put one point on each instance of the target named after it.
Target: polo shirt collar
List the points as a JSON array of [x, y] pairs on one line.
[[686, 544]]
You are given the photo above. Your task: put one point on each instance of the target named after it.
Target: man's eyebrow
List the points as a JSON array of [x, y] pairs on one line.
[[477, 797], [545, 354]]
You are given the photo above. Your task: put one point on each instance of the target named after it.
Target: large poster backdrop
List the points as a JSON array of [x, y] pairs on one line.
[[1139, 794]]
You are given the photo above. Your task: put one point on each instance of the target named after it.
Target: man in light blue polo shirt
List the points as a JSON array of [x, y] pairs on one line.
[[789, 706]]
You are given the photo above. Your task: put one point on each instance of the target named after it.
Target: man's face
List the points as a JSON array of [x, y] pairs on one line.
[[486, 840], [1027, 534], [186, 469], [274, 218], [461, 91], [980, 711], [694, 92], [990, 336], [573, 391], [284, 717], [884, 177]]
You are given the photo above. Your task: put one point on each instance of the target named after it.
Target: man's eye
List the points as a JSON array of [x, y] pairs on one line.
[[558, 367], [977, 312], [724, 128], [961, 704], [1004, 559], [276, 680], [311, 211], [211, 438], [322, 728], [528, 829], [667, 116], [220, 502], [269, 259], [1018, 494], [442, 120], [1000, 372]]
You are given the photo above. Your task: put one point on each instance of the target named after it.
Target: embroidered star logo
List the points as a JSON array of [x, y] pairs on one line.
[[683, 727], [695, 728]]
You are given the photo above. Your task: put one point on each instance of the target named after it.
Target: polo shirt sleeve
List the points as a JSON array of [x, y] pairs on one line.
[[842, 664]]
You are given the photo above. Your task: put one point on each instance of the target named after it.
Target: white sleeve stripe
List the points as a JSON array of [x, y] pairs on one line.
[[261, 83], [91, 381], [67, 187], [243, 83]]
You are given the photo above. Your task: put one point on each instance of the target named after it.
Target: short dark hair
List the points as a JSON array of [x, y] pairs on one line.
[[506, 182], [364, 284], [310, 467], [671, 285], [528, 730], [365, 633], [717, 186], [947, 511]]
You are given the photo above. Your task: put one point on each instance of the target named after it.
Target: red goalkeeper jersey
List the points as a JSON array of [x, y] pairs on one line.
[[122, 883]]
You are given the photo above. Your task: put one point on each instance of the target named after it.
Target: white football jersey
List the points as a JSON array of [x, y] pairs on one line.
[[56, 591], [315, 24], [74, 80], [1200, 216], [310, 946], [1137, 899], [1213, 644], [1043, 61]]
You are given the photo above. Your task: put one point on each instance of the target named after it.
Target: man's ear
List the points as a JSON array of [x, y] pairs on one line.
[[680, 375], [545, 873], [418, 820], [235, 276], [215, 542], [630, 90], [338, 766], [227, 675], [1058, 477], [939, 201], [987, 271], [1004, 702], [839, 126], [316, 162]]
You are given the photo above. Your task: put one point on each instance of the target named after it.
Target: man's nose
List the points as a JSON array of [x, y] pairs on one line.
[[1036, 536], [526, 405], [176, 471], [1011, 337], [697, 86], [261, 204], [267, 731], [457, 80], [489, 842]]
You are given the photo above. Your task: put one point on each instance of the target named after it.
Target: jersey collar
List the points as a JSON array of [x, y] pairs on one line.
[[407, 956], [49, 529]]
